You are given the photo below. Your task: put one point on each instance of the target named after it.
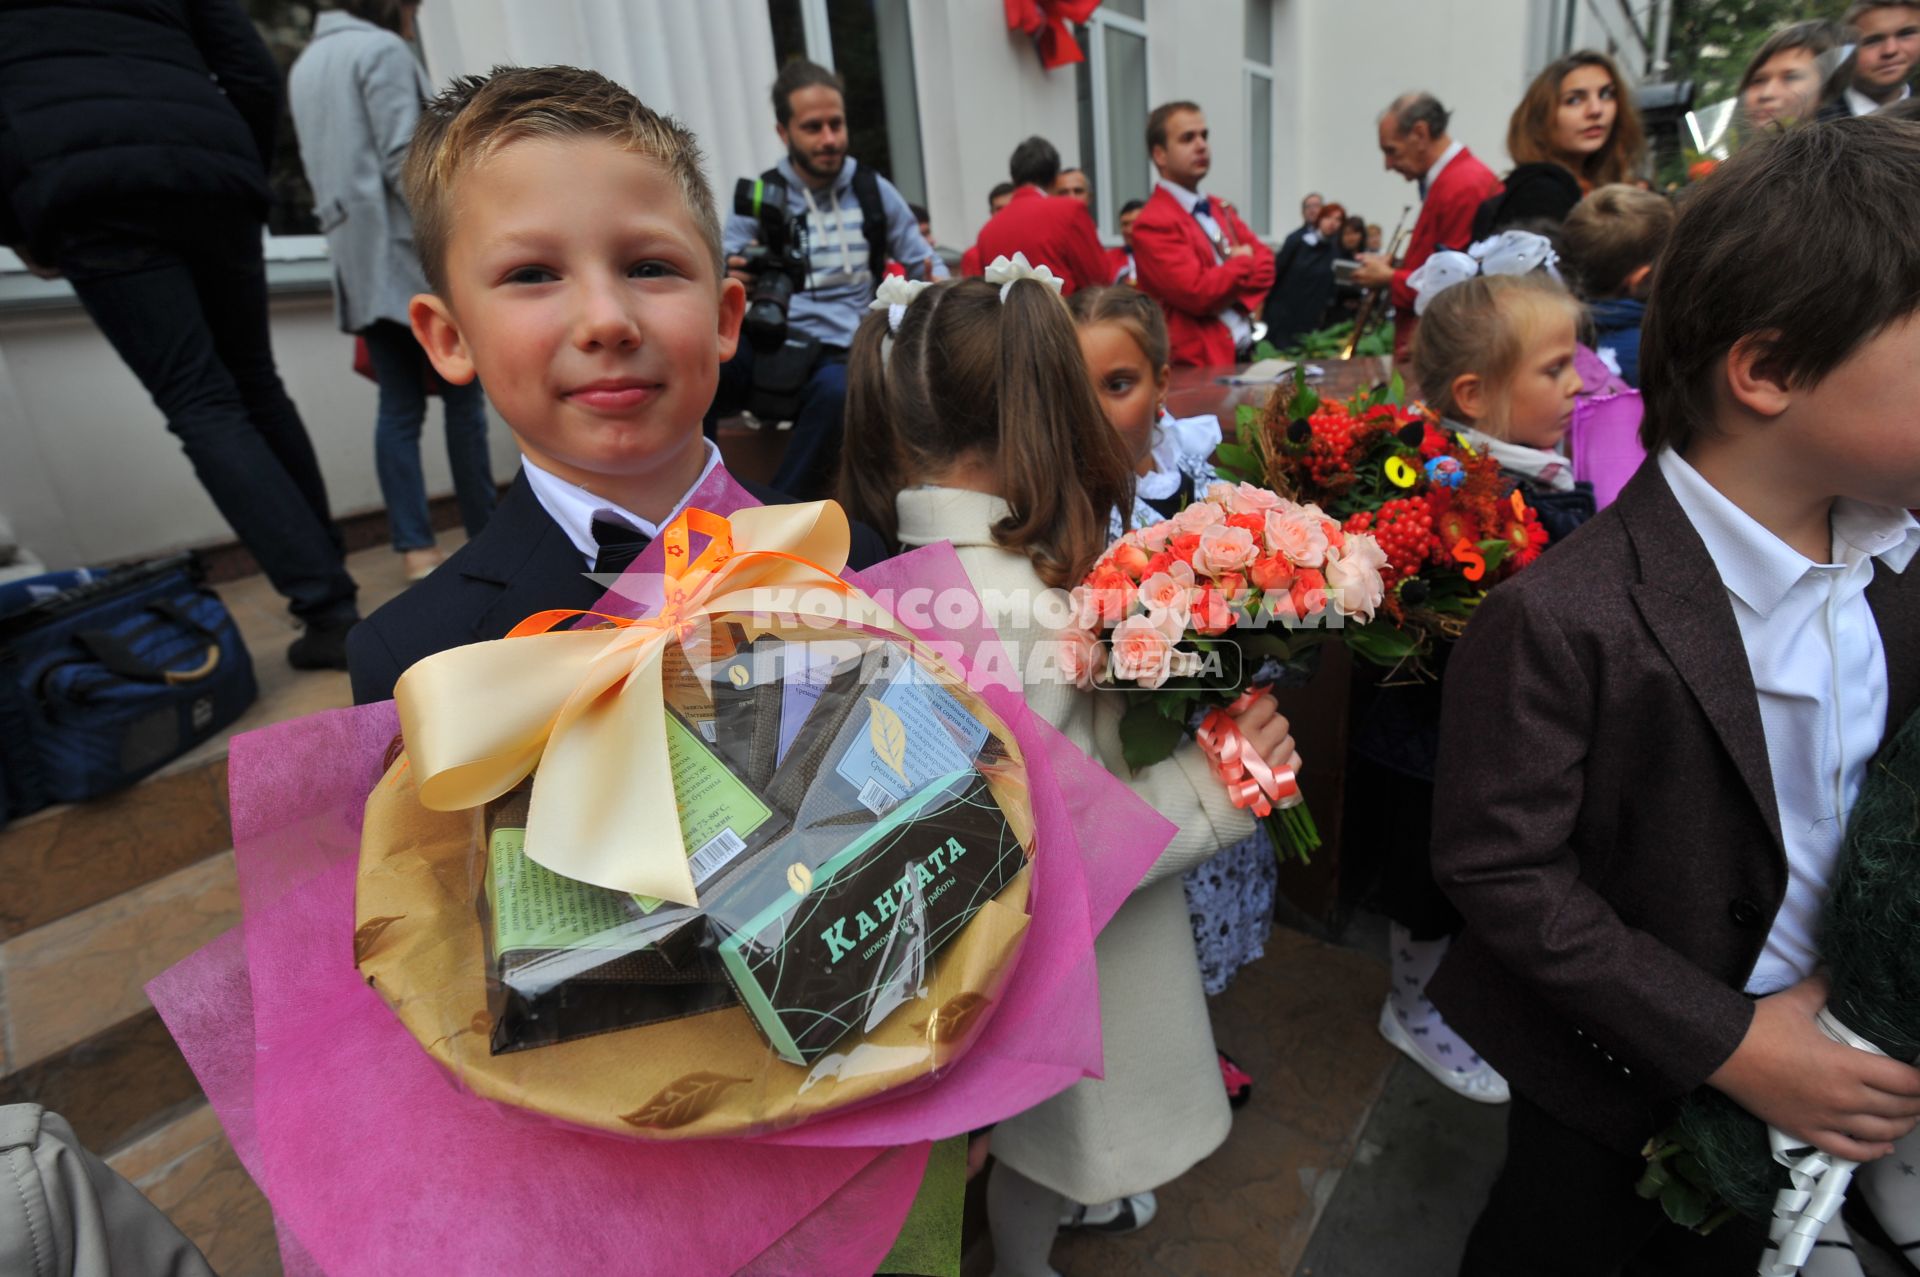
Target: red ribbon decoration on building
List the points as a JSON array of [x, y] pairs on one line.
[[1047, 21]]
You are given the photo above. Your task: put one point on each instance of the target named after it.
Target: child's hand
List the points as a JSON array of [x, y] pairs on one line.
[[1266, 730], [1789, 1074]]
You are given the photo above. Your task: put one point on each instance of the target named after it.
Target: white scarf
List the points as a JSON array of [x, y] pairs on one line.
[[1543, 466]]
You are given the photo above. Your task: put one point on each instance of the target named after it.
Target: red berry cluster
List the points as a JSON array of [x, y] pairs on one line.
[[1328, 453], [1404, 529]]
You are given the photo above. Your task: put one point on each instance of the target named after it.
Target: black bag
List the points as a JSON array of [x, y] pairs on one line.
[[780, 377], [106, 682]]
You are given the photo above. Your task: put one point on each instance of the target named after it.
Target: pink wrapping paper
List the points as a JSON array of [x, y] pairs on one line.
[[376, 1161], [1605, 442]]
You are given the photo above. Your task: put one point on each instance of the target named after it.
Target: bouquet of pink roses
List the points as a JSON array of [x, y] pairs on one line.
[[1190, 617]]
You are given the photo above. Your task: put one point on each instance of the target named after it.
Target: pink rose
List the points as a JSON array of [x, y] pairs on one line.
[[1198, 517], [1141, 653], [1225, 549], [1078, 657], [1300, 537], [1162, 592], [1247, 498], [1154, 539], [1353, 576]]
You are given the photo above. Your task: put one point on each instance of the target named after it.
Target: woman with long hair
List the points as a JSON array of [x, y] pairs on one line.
[[1575, 130]]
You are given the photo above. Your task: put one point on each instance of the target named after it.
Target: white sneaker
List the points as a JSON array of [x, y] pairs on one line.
[[1483, 1085], [1121, 1215]]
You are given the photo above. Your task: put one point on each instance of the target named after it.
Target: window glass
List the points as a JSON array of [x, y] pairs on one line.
[[1126, 82], [1260, 131], [286, 26], [1128, 8], [1260, 31]]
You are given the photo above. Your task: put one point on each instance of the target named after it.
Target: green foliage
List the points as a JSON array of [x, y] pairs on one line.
[[1382, 643], [1331, 342], [1237, 463], [1246, 425], [1147, 734]]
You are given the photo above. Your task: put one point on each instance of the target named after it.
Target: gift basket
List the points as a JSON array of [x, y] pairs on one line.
[[562, 966], [827, 915]]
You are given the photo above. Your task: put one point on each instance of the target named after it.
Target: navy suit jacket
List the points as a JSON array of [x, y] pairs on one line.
[[521, 563]]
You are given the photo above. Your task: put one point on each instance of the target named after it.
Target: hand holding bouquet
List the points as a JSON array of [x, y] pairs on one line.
[[1181, 617]]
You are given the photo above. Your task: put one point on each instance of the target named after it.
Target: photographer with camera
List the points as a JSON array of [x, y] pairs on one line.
[[810, 239]]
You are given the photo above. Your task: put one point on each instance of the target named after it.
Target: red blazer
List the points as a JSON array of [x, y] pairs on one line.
[[1177, 266], [1054, 232], [1446, 221], [970, 264]]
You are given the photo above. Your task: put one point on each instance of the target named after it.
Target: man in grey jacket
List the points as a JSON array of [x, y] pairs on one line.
[[847, 244]]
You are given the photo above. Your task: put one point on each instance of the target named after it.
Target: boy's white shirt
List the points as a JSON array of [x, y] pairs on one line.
[[1820, 673], [576, 510]]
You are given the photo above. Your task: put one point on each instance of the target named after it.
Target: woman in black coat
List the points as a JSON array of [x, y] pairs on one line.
[[1303, 279]]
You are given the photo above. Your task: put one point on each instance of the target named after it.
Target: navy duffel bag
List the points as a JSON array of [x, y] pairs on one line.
[[105, 681]]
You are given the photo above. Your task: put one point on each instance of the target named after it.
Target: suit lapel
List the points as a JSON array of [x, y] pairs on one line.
[[1896, 610], [1683, 601], [530, 561]]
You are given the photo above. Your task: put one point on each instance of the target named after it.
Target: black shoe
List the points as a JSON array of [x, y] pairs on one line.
[[322, 647]]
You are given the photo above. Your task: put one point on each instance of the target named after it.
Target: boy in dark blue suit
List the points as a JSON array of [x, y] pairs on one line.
[[1652, 740], [574, 251]]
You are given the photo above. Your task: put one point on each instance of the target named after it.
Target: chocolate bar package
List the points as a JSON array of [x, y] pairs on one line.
[[847, 942], [807, 774]]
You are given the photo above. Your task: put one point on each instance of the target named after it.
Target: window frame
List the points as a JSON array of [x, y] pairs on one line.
[[1094, 44], [1252, 70]]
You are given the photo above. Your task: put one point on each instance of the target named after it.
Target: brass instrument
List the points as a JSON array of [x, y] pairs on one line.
[[1374, 295]]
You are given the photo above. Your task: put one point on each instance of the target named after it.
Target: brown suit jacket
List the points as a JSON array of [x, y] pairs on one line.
[[1604, 816]]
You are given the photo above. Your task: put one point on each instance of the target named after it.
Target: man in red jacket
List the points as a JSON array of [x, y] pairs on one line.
[[1415, 144], [970, 263], [1054, 231], [1192, 253]]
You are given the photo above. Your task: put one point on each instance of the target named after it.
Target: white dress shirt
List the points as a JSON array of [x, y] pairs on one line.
[[1439, 165], [1233, 317], [575, 509], [1820, 672], [1859, 103]]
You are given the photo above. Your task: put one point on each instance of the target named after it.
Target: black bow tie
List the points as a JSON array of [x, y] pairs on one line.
[[619, 546]]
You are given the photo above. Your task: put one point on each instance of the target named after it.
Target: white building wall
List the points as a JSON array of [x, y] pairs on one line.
[[1343, 61], [981, 92]]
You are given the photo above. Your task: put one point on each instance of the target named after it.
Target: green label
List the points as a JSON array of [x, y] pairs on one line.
[[536, 908], [718, 813]]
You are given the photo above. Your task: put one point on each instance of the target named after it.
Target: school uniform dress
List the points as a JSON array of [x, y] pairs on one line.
[[1180, 244], [1161, 1107], [1053, 231], [1650, 742], [535, 554]]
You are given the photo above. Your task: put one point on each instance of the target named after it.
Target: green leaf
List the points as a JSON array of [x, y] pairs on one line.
[[1246, 424], [1495, 551], [1381, 643], [1654, 1181], [1147, 735], [1397, 391], [1306, 403], [1684, 1204], [1235, 462]]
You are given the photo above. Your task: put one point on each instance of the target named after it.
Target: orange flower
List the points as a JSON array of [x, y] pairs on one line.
[[1131, 559], [1272, 572]]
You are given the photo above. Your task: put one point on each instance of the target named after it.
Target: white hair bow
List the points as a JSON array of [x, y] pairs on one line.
[[895, 294], [1005, 270], [1508, 253]]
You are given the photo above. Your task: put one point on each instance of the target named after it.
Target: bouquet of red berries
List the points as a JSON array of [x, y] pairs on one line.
[[1446, 519]]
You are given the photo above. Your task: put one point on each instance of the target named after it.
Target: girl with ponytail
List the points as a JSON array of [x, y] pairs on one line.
[[971, 419]]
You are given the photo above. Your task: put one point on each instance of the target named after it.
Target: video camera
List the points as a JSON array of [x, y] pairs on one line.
[[778, 263]]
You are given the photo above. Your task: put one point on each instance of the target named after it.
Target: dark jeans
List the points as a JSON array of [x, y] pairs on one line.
[[401, 369], [183, 299], [1565, 1205], [810, 469]]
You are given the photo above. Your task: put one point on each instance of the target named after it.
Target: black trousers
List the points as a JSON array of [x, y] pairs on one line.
[[1565, 1206], [183, 299]]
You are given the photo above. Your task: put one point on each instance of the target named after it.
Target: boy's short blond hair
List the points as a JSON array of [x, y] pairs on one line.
[[1612, 233], [477, 115]]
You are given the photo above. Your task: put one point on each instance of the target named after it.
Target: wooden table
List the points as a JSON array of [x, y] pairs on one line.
[[1197, 391]]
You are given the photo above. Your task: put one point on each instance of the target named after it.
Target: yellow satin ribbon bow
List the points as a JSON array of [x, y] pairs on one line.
[[585, 706]]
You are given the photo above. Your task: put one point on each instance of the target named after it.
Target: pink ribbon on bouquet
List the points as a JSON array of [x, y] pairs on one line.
[[1250, 781]]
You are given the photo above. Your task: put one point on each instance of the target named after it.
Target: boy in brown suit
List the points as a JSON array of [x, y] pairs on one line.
[[1652, 740]]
